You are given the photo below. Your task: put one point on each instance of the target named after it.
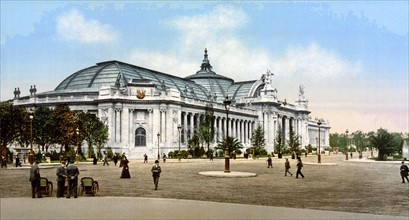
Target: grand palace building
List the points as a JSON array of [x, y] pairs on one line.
[[143, 108]]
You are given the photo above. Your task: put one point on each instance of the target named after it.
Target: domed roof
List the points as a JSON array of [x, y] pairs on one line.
[[118, 74]]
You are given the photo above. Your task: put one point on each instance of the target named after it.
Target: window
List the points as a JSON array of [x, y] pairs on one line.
[[140, 137]]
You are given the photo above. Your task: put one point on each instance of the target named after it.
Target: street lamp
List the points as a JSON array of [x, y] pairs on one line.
[[31, 155], [179, 127], [319, 141], [346, 147], [158, 145], [227, 103], [77, 158]]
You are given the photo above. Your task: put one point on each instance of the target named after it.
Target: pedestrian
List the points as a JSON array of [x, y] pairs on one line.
[[3, 161], [269, 162], [122, 160], [156, 170], [351, 155], [35, 181], [72, 174], [211, 156], [164, 157], [115, 159], [18, 163], [145, 158], [61, 175], [287, 167], [106, 160], [404, 170], [299, 167], [95, 160], [125, 169]]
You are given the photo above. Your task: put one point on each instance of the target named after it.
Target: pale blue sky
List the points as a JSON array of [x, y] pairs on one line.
[[351, 56]]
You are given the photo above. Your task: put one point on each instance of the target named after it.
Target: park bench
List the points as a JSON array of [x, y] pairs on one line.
[[46, 187], [89, 186]]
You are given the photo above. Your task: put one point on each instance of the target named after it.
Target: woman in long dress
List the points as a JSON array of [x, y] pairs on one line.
[[125, 169]]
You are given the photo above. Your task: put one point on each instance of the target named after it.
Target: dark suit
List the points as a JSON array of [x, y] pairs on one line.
[[35, 181], [156, 170], [61, 175], [72, 173]]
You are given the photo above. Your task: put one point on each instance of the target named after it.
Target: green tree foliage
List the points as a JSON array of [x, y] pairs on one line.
[[234, 144], [386, 143], [257, 140], [360, 141], [206, 127], [279, 142], [100, 136], [293, 142], [65, 126], [44, 127], [91, 128], [8, 126]]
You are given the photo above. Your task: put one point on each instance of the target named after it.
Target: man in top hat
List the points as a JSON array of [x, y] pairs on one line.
[[72, 174]]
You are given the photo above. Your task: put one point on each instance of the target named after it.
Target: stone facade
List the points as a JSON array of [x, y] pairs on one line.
[[143, 114]]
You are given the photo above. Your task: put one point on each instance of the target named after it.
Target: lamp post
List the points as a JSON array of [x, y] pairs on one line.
[[179, 127], [227, 103], [77, 158], [158, 145], [346, 147], [31, 155], [319, 140]]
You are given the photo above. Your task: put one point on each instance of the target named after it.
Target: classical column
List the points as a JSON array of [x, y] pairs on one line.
[[156, 128], [192, 124], [163, 126], [131, 131], [245, 140], [150, 133], [184, 140], [118, 125], [125, 127], [111, 124], [215, 128]]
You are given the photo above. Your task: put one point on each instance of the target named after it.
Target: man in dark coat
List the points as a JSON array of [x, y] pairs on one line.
[[72, 174], [156, 170], [61, 175], [404, 170], [35, 180]]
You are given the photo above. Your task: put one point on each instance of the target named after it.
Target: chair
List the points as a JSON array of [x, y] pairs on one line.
[[89, 186], [46, 186]]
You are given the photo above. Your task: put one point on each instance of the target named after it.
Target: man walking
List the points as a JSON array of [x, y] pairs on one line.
[[72, 174], [299, 167], [156, 170], [287, 167], [269, 162], [106, 160], [145, 158], [61, 175], [404, 170], [35, 181]]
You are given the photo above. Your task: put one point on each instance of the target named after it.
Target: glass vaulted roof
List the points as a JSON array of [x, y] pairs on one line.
[[204, 85]]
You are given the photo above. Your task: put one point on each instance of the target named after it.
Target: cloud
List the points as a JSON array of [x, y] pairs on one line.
[[73, 26], [315, 61]]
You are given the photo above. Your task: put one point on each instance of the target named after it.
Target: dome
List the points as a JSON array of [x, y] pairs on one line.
[[118, 74]]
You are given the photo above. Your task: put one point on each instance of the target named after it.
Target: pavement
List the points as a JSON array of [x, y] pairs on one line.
[[159, 208]]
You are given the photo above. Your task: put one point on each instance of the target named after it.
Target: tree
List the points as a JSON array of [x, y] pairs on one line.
[[385, 142], [8, 126], [234, 144], [44, 127], [100, 136], [257, 140], [293, 142], [90, 125], [65, 125], [206, 127], [279, 143], [359, 140]]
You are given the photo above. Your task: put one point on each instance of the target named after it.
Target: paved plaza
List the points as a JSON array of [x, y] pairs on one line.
[[334, 189]]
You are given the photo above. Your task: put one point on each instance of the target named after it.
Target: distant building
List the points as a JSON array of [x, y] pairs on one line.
[[137, 104]]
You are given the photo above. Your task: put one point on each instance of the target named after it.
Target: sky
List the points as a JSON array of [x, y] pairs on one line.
[[351, 57]]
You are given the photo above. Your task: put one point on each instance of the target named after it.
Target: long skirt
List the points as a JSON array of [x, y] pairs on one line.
[[125, 172]]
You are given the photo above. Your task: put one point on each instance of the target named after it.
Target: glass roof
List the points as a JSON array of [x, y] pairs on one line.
[[204, 85]]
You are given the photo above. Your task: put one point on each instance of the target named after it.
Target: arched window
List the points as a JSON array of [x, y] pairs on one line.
[[140, 137]]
